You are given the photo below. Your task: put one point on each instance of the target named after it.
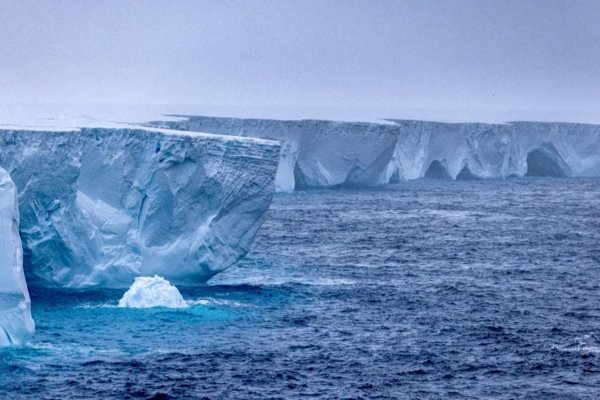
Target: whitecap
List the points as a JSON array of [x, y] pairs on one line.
[[586, 344]]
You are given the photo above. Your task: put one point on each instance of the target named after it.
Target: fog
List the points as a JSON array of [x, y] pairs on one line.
[[382, 58]]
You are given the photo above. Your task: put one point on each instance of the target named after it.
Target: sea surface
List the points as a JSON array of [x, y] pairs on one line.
[[425, 290]]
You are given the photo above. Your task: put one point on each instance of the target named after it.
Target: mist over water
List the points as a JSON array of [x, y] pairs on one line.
[[427, 289]]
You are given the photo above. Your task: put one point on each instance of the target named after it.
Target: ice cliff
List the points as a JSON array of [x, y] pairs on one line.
[[16, 324], [101, 206], [328, 153]]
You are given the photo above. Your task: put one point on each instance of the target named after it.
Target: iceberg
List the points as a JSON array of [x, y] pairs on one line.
[[330, 153], [16, 324], [149, 292], [102, 205]]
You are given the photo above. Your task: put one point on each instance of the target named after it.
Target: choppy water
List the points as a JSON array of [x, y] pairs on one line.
[[427, 290]]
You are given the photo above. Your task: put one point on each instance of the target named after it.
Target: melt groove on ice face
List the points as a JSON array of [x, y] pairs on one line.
[[329, 153], [101, 206]]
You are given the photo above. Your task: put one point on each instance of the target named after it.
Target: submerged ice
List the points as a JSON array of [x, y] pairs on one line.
[[102, 206], [16, 324], [328, 153], [149, 292]]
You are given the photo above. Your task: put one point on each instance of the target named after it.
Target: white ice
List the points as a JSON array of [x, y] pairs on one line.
[[100, 206], [328, 153], [16, 324], [149, 292]]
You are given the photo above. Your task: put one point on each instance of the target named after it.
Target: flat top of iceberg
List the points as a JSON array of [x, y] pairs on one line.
[[81, 115], [147, 292], [74, 123]]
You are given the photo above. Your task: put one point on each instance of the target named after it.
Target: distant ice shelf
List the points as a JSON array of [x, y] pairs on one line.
[[102, 205], [319, 153]]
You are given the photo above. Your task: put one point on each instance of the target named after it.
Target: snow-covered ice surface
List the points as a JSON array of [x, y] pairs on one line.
[[16, 324], [148, 291], [319, 153], [102, 203]]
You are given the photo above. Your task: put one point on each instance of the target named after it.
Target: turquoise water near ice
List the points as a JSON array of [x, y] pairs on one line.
[[427, 289]]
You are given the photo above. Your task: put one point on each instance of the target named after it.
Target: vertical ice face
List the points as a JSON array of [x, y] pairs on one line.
[[314, 153], [16, 324], [100, 206], [329, 153]]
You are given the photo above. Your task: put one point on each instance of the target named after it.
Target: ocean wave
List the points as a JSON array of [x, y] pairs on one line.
[[269, 280], [210, 302], [585, 345]]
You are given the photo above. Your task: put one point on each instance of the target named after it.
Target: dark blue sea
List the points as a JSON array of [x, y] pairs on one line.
[[425, 290]]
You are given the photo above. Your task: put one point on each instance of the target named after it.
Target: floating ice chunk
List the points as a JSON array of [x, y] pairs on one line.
[[149, 292], [16, 324]]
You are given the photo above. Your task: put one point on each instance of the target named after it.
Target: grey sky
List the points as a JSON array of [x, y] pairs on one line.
[[529, 55]]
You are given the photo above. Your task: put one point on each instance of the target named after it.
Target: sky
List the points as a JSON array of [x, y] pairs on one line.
[[381, 55]]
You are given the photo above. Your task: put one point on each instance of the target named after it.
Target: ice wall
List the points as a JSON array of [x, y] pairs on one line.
[[16, 324], [329, 153], [101, 206]]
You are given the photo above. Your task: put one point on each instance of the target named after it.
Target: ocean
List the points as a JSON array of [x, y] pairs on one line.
[[422, 290]]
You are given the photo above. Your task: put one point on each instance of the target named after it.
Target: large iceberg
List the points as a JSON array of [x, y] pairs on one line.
[[16, 324], [101, 206], [329, 153]]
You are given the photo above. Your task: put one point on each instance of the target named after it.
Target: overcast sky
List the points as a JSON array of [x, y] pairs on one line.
[[528, 55]]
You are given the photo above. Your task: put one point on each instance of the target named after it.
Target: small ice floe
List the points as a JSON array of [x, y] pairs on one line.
[[149, 292]]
